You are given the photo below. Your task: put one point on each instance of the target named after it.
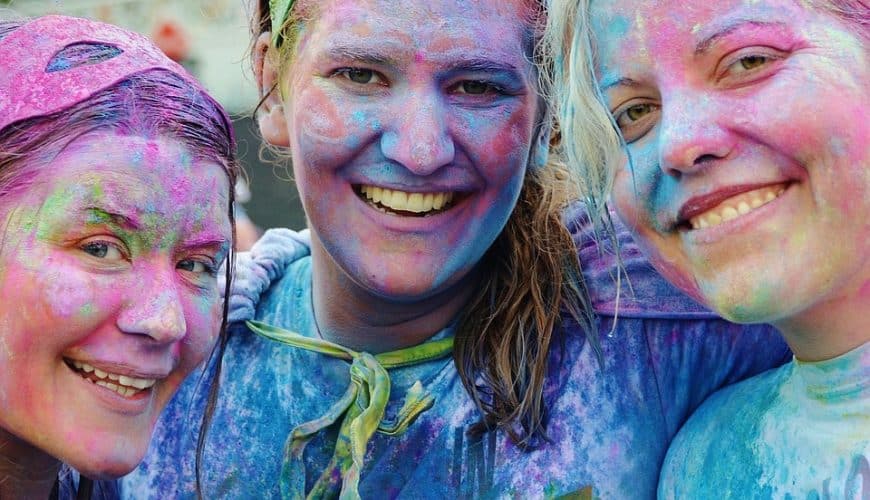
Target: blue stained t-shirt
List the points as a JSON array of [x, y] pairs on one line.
[[799, 431], [609, 425]]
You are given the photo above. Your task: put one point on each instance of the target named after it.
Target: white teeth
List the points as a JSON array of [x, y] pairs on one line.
[[123, 391], [736, 206], [415, 202], [404, 201], [399, 201], [138, 383], [124, 382]]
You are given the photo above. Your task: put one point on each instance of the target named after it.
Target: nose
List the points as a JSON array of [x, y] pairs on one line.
[[157, 311], [419, 138], [692, 133]]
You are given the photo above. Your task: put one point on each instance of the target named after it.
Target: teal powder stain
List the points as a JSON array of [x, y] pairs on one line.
[[837, 146], [618, 27], [745, 312], [86, 310]]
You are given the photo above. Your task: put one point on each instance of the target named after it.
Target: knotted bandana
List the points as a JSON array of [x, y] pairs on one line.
[[362, 408]]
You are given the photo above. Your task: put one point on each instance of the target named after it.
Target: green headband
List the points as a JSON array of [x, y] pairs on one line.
[[278, 12]]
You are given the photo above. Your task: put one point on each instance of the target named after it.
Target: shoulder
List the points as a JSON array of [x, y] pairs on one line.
[[718, 437], [744, 400], [639, 291], [264, 265]]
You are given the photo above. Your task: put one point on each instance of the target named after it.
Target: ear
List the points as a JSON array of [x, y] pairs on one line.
[[541, 145], [270, 113]]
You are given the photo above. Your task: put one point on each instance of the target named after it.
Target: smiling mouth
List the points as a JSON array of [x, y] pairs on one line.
[[735, 206], [122, 384], [406, 204]]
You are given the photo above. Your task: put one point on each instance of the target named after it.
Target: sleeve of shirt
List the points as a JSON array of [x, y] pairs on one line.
[[255, 271]]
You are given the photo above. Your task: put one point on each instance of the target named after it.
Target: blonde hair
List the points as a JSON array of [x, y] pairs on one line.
[[590, 141]]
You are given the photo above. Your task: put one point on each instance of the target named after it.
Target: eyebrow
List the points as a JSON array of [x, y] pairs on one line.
[[115, 218], [626, 82], [481, 65], [368, 56], [206, 241], [706, 43], [359, 54]]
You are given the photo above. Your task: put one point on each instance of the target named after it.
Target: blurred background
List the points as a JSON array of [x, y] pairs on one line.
[[211, 39]]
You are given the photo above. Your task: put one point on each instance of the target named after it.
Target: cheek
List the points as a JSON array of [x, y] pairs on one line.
[[632, 188], [632, 198], [53, 288], [317, 118], [498, 142], [203, 318], [324, 130]]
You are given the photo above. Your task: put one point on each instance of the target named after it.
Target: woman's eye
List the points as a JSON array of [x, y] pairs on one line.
[[638, 111], [103, 250], [635, 120], [361, 76], [749, 64], [196, 267], [475, 87], [752, 62]]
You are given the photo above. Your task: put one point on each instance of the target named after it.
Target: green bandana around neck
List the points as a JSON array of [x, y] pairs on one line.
[[362, 407]]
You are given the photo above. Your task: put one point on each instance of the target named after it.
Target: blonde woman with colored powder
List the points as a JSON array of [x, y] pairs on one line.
[[745, 173], [434, 334], [115, 209]]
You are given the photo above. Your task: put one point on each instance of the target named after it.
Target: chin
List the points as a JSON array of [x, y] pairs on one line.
[[743, 305], [112, 459], [402, 281]]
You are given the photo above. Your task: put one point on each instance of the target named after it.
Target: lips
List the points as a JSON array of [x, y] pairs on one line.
[[711, 210]]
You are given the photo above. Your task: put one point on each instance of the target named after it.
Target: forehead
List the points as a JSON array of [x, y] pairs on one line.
[[436, 28], [629, 31], [156, 180]]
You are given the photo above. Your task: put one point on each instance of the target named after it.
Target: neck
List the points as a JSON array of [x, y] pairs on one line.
[[358, 319], [25, 471], [830, 327]]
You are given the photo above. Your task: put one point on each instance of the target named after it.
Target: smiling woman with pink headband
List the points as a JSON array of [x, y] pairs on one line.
[[433, 335], [745, 173], [115, 209]]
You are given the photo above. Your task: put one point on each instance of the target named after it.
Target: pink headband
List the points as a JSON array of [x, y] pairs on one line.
[[29, 88]]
